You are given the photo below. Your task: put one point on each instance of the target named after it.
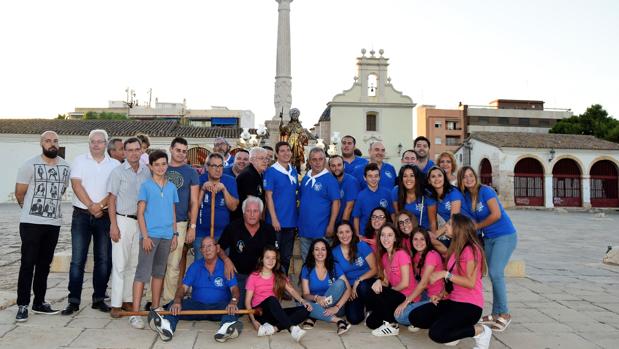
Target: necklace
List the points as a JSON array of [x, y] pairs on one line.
[[161, 187]]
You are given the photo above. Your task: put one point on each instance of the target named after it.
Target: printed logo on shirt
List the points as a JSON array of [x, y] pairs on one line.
[[359, 261], [259, 188], [389, 174], [176, 178], [219, 282], [240, 246], [317, 186], [480, 206], [264, 182], [341, 193], [419, 207], [383, 203], [222, 202], [448, 205]]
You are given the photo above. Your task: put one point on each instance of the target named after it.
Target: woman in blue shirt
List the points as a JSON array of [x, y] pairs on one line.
[[443, 200], [325, 286], [408, 194], [499, 234], [359, 265]]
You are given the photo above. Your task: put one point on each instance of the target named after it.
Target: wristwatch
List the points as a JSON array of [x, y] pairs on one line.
[[175, 234], [192, 226], [234, 300]]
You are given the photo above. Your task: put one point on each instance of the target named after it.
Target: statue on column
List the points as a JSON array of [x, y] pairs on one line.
[[295, 135]]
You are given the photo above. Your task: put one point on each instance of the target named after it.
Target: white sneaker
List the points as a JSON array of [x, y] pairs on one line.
[[452, 344], [297, 333], [136, 322], [386, 329], [165, 330], [266, 329], [228, 330], [413, 329], [482, 340]]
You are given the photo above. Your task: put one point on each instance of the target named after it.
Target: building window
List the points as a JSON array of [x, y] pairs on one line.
[[370, 122], [503, 121], [452, 125], [438, 140], [483, 120], [452, 140], [437, 124], [523, 121]]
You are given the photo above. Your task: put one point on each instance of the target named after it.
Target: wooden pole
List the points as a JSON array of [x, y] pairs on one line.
[[257, 311], [212, 215]]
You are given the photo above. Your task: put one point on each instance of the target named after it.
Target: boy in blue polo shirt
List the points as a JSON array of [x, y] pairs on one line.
[[369, 198], [156, 218]]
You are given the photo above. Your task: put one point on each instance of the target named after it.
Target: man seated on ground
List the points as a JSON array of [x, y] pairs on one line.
[[210, 290]]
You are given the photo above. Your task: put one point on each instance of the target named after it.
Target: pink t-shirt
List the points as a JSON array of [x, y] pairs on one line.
[[263, 288], [371, 242], [394, 272], [462, 294], [406, 244], [434, 259]]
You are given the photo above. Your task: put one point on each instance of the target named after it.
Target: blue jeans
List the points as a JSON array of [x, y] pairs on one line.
[[498, 250], [285, 245], [85, 227], [336, 290], [190, 304], [403, 318], [355, 309]]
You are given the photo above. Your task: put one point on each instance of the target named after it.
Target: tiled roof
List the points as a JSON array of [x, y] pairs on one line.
[[543, 140], [119, 128], [326, 115]]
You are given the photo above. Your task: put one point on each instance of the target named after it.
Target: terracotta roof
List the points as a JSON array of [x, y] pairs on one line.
[[543, 140], [119, 128]]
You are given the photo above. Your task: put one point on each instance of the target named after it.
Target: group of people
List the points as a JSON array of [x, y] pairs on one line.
[[407, 248]]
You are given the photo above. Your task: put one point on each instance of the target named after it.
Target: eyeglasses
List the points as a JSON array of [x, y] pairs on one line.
[[404, 221], [215, 166], [377, 218], [206, 247], [97, 142]]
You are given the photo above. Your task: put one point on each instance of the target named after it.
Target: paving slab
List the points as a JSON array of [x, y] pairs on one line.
[[120, 338], [39, 337]]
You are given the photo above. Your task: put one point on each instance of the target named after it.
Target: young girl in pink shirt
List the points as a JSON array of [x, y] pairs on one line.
[[395, 283], [453, 314], [265, 288]]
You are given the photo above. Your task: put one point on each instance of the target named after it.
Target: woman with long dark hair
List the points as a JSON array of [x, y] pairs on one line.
[[408, 194], [499, 235], [265, 288], [406, 223], [359, 265], [395, 284], [444, 200], [453, 314], [325, 286], [379, 217]]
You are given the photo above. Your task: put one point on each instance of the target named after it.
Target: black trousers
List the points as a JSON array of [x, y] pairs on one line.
[[382, 306], [283, 319], [38, 242], [448, 321]]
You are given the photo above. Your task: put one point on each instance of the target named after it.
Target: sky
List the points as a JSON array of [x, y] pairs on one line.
[[58, 55]]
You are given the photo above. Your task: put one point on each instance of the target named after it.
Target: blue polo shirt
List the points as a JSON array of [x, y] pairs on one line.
[[349, 189], [159, 214], [208, 288], [444, 206], [367, 201], [229, 161], [284, 196], [353, 269], [228, 171], [388, 176], [428, 167], [315, 207], [317, 286], [222, 214], [416, 208], [503, 226], [350, 167]]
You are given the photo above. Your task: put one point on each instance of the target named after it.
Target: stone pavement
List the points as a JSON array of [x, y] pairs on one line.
[[569, 299]]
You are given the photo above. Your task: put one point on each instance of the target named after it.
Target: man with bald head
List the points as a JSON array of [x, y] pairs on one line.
[[41, 182], [388, 175]]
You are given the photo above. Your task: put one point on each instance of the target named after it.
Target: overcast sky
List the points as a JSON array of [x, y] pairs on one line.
[[57, 55]]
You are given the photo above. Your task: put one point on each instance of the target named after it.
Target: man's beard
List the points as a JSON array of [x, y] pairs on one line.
[[51, 153], [338, 176]]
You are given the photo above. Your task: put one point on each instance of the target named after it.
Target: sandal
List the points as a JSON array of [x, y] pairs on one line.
[[488, 320], [308, 324], [342, 327], [501, 324]]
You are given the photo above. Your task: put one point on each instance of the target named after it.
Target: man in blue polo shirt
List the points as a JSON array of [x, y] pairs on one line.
[[351, 162], [388, 175], [319, 195], [241, 159], [280, 189], [422, 149], [369, 198], [210, 290], [349, 188], [226, 199]]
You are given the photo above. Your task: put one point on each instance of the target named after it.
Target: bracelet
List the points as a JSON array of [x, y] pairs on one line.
[[448, 276]]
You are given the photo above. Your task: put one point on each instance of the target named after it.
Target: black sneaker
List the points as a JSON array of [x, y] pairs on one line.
[[22, 313], [70, 309], [44, 308]]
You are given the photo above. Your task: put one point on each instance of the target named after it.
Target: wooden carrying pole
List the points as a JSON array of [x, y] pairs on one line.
[[256, 311], [212, 215]]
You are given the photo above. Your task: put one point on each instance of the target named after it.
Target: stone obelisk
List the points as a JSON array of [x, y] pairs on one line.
[[283, 76]]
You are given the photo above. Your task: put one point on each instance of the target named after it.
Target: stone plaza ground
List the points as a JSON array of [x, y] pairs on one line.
[[568, 299]]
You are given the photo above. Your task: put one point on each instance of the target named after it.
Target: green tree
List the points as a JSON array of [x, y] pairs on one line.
[[62, 117], [594, 121], [91, 115]]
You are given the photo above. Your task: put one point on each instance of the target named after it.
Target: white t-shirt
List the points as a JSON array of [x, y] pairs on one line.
[[93, 175], [46, 184]]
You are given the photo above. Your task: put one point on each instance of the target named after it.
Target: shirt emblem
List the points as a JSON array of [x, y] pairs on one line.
[[388, 174], [359, 262], [240, 246], [317, 186], [219, 282], [480, 206], [448, 205], [383, 203]]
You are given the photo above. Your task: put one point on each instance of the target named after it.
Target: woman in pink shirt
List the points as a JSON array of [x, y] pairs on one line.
[[394, 284], [265, 288], [425, 262], [453, 314]]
